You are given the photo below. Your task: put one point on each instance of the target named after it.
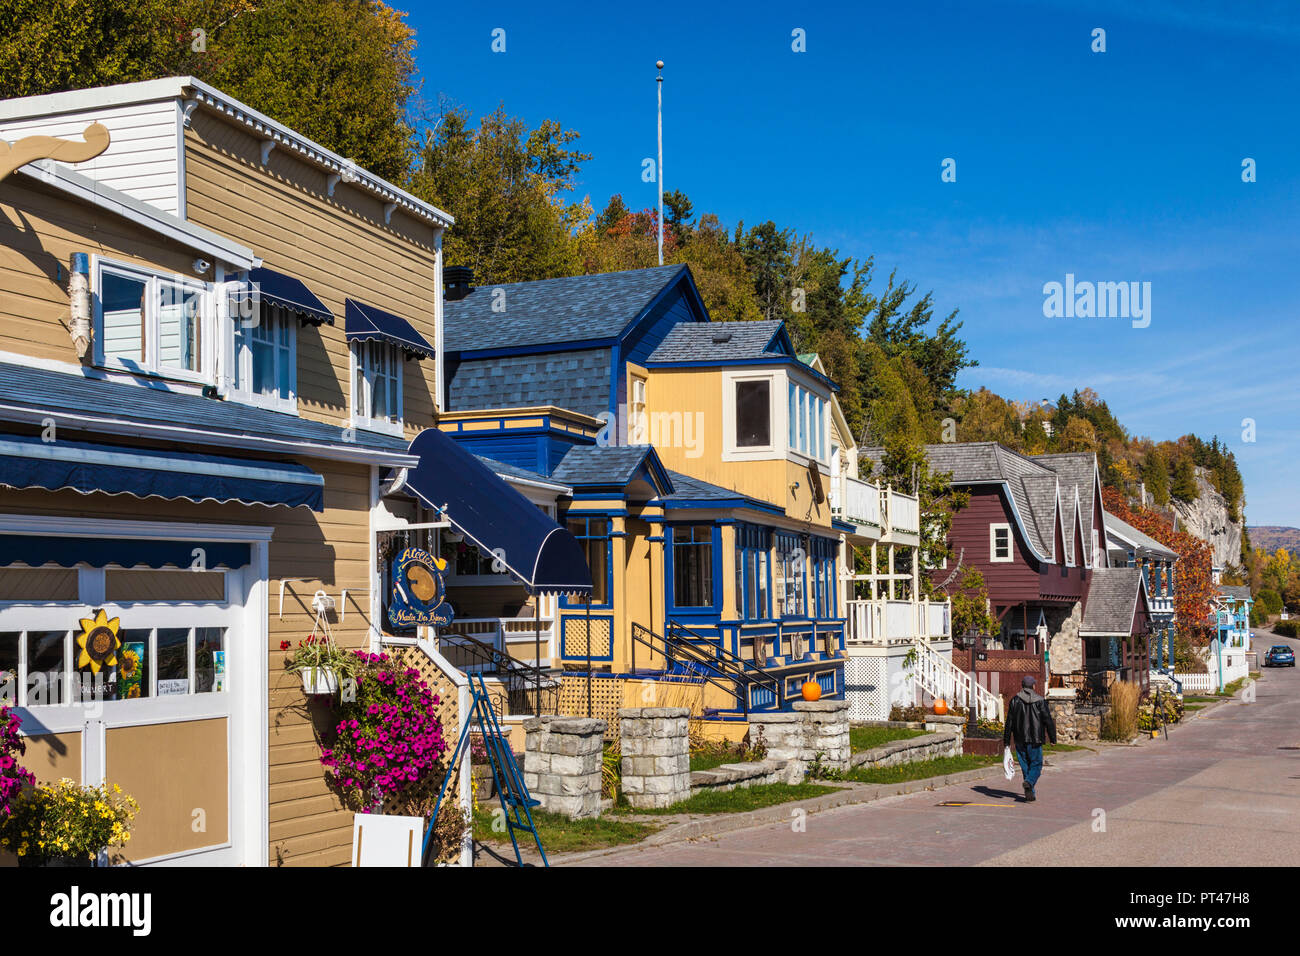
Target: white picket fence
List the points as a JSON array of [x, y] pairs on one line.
[[1235, 667]]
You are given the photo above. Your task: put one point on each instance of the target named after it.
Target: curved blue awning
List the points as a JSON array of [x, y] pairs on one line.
[[366, 323], [499, 520], [288, 293], [28, 462]]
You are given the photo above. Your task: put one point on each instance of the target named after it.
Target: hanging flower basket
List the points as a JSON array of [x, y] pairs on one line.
[[319, 680]]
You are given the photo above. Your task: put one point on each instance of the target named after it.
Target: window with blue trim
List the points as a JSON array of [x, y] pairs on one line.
[[823, 558], [752, 546], [593, 538], [788, 571], [693, 565]]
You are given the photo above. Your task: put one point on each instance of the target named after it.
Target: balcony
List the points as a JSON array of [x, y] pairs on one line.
[[902, 512], [515, 637], [1161, 604], [887, 623], [856, 501]]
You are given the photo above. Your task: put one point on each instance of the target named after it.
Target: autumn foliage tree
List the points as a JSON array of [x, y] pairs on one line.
[[1194, 589]]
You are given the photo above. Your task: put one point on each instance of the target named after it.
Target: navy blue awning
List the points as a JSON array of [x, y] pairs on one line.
[[289, 293], [498, 519], [37, 550], [28, 462], [366, 323]]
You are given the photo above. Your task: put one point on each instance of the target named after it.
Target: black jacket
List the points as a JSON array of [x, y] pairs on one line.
[[1029, 720]]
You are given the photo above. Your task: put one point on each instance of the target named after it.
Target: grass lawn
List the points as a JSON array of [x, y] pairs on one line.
[[738, 800], [921, 769], [867, 738], [1062, 748], [709, 759], [1192, 708], [561, 835]]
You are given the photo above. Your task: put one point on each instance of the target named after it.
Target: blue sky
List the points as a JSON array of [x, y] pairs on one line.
[[1115, 166]]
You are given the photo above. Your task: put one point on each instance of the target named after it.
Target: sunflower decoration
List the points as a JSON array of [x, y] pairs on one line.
[[130, 663], [98, 641]]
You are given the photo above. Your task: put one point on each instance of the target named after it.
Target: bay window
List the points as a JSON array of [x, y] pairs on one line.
[[752, 546], [788, 571]]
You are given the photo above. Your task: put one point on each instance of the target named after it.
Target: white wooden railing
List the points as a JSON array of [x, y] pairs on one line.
[[855, 500], [902, 512], [896, 622], [503, 633], [943, 680]]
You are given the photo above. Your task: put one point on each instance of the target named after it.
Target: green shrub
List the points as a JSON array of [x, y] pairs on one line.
[[1287, 628]]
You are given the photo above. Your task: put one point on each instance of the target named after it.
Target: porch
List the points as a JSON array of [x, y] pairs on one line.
[[883, 622], [877, 512]]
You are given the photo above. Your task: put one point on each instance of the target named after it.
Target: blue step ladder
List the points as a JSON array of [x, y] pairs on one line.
[[516, 804]]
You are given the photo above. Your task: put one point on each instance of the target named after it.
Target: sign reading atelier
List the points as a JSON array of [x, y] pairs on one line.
[[418, 590]]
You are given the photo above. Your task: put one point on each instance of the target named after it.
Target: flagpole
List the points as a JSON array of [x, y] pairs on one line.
[[659, 170]]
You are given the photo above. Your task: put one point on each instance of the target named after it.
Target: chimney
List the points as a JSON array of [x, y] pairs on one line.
[[458, 282]]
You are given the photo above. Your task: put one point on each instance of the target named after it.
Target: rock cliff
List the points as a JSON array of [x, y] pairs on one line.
[[1207, 518]]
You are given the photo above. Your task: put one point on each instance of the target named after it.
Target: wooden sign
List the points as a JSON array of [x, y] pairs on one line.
[[419, 593]]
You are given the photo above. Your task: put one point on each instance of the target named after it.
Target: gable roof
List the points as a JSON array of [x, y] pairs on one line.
[[612, 466], [721, 342], [1128, 535], [1240, 592], [554, 311], [1113, 596], [1077, 472]]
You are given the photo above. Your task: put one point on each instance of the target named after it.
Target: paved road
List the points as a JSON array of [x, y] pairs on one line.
[[1224, 789]]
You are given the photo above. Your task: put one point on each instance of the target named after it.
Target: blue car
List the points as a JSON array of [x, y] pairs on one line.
[[1279, 655]]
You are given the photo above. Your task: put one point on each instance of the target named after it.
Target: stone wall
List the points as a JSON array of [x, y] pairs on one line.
[[729, 776], [814, 729], [562, 763], [1076, 721], [943, 744], [1065, 646], [656, 762]]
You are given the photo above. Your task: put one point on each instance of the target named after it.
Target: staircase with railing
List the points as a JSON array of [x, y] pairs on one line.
[[691, 654], [943, 680], [529, 688]]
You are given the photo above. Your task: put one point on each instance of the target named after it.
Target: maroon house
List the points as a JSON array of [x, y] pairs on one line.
[[1035, 528]]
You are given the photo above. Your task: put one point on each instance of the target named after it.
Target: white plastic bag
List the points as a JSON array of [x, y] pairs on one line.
[[1008, 763]]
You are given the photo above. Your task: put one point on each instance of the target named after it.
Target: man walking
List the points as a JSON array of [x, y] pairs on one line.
[[1029, 720]]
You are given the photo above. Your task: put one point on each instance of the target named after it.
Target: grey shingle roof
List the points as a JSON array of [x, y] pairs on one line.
[[1144, 543], [577, 380], [585, 465], [551, 311], [25, 387], [686, 488], [1078, 472], [1239, 591], [716, 341], [1112, 600]]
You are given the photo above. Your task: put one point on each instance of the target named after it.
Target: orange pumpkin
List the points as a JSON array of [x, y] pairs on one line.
[[941, 707], [812, 690]]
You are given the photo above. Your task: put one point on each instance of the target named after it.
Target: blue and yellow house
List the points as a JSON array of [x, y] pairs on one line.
[[700, 460]]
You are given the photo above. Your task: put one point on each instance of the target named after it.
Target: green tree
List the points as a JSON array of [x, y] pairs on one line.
[[1155, 475], [504, 184], [1183, 484]]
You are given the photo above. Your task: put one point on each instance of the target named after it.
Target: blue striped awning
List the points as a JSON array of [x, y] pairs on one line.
[[367, 323], [288, 293], [28, 462], [36, 551]]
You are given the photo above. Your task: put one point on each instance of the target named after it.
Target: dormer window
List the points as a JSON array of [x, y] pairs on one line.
[[151, 323]]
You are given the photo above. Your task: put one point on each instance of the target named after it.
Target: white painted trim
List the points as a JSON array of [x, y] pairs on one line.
[[195, 91], [776, 416]]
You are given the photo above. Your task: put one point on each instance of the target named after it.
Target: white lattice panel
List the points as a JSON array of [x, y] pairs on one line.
[[866, 688]]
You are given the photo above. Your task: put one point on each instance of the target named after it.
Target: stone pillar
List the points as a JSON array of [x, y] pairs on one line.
[[814, 727], [1066, 646], [656, 755], [562, 763]]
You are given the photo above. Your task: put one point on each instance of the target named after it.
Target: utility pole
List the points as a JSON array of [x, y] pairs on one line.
[[659, 169]]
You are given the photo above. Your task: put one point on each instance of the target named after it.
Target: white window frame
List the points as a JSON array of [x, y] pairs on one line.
[[395, 427], [993, 544], [149, 364], [638, 423], [812, 424], [242, 362], [776, 416]]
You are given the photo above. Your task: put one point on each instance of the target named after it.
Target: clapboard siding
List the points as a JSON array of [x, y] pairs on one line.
[[40, 228], [143, 150], [1008, 582], [340, 247]]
